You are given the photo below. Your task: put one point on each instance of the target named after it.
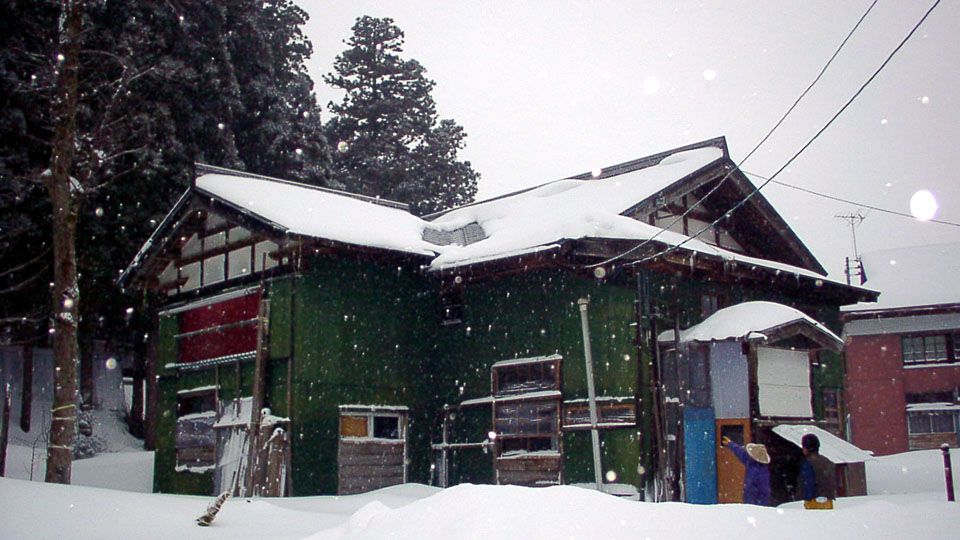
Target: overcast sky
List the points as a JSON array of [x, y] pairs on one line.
[[546, 90]]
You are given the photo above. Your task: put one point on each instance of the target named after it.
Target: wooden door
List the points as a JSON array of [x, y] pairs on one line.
[[730, 471]]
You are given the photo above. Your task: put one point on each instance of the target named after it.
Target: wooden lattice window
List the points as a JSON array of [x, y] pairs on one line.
[[196, 441]]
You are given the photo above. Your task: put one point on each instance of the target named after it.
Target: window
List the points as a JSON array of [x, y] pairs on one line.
[[929, 349], [195, 438], [611, 413], [527, 404], [219, 253], [512, 377], [451, 306], [922, 422], [372, 424]]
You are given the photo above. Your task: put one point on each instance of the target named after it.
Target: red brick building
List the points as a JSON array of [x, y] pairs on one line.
[[902, 354]]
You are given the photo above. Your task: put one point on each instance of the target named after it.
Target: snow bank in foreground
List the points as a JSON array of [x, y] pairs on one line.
[[38, 510], [465, 511], [569, 512]]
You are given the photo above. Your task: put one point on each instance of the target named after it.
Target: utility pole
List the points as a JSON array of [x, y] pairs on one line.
[[854, 267]]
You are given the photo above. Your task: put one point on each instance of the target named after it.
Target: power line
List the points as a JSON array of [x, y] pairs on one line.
[[804, 147], [848, 201], [756, 147]]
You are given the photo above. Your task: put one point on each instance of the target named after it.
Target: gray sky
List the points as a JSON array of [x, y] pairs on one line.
[[546, 90]]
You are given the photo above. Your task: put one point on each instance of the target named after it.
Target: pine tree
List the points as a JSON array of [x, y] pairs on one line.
[[158, 86], [388, 141], [280, 132]]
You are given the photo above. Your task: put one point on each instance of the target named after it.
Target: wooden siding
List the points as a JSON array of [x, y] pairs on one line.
[[530, 470], [368, 465]]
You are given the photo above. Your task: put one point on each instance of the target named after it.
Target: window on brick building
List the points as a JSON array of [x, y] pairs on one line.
[[929, 349]]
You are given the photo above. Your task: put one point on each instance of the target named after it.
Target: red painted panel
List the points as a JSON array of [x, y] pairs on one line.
[[237, 339]]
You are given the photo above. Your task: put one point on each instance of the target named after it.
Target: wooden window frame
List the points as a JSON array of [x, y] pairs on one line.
[[576, 416], [183, 453], [371, 415], [922, 358], [928, 418]]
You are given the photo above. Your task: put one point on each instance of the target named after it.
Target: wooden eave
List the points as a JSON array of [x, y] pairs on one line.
[[191, 207], [757, 210], [805, 329], [907, 311], [497, 268], [683, 262]]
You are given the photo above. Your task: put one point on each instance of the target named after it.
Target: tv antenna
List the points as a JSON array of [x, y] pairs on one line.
[[854, 267]]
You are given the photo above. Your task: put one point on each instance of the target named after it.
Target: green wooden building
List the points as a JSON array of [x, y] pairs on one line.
[[319, 342]]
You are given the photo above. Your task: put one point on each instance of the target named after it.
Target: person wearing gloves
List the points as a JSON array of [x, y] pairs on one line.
[[756, 481]]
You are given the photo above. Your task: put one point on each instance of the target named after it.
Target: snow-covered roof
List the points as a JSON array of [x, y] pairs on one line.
[[748, 320], [832, 447], [912, 276], [527, 222], [302, 209], [568, 209]]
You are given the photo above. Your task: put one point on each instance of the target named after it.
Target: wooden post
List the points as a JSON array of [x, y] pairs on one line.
[[948, 471], [4, 430], [26, 389], [591, 395], [259, 376]]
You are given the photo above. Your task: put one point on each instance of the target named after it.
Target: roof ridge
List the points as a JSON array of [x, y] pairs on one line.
[[606, 172], [653, 159], [204, 168]]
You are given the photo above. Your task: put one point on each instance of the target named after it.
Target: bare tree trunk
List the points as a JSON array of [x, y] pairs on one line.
[[62, 192]]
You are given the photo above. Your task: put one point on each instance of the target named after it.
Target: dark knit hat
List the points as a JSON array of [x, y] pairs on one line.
[[810, 442]]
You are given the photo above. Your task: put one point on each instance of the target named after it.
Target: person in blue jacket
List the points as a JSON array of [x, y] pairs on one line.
[[756, 481]]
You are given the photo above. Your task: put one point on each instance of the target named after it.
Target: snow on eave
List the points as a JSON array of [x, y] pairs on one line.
[[933, 407], [741, 320], [461, 264], [357, 407], [527, 360]]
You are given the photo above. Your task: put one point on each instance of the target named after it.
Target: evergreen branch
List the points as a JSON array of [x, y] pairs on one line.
[[24, 265]]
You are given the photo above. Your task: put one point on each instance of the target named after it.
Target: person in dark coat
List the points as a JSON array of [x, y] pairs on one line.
[[756, 481], [818, 486]]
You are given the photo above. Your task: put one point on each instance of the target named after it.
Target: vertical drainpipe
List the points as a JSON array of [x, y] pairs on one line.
[[678, 461], [591, 394], [288, 484], [659, 446], [640, 313]]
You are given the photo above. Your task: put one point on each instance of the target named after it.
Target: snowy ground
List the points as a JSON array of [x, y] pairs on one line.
[[907, 501]]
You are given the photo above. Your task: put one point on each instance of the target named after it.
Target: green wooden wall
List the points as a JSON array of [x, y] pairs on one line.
[[369, 333]]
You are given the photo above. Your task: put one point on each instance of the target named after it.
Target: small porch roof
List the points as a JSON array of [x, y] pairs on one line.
[[832, 447], [756, 321]]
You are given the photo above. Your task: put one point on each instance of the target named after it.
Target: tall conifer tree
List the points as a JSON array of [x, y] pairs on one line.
[[388, 139]]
